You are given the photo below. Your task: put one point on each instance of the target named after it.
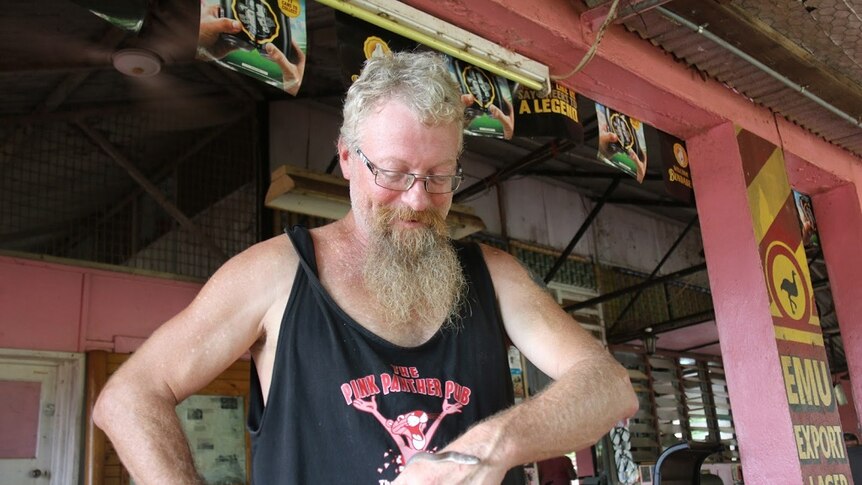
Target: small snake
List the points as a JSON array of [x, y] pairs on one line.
[[453, 456]]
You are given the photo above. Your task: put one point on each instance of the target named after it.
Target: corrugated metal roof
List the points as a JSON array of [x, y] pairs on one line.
[[824, 36]]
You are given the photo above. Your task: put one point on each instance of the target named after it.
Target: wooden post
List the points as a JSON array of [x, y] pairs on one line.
[[94, 457]]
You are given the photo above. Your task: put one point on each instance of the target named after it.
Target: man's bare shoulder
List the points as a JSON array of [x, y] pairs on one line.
[[270, 256], [503, 267], [259, 273]]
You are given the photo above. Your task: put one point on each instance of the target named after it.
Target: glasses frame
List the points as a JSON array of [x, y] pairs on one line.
[[456, 179]]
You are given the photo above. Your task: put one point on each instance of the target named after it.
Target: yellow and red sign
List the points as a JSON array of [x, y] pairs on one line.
[[799, 338]]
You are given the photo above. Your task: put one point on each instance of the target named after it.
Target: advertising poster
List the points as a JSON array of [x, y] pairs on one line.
[[619, 140], [810, 237], [269, 44], [554, 115], [215, 428], [487, 98], [814, 417], [517, 370], [358, 41], [670, 153]]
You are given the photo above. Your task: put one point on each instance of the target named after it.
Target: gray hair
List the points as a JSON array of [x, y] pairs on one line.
[[420, 80]]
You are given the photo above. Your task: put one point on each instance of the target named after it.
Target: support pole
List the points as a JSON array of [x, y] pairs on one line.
[[545, 152], [582, 230], [655, 271], [645, 284]]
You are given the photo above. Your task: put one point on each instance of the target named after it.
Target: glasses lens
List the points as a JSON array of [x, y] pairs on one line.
[[389, 179], [442, 184]]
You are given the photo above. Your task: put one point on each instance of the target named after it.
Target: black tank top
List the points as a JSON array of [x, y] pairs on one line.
[[346, 406]]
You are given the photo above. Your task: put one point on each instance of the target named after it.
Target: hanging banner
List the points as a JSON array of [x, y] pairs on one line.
[[807, 224], [624, 142], [555, 115], [487, 98], [236, 34], [670, 153], [358, 40], [618, 139]]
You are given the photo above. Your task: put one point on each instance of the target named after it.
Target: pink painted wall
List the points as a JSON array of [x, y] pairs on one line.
[[849, 418], [745, 326], [49, 306], [839, 219], [19, 418]]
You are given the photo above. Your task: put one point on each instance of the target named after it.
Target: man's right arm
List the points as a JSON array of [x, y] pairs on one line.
[[232, 312]]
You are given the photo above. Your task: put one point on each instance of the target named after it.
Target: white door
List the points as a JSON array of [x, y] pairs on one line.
[[27, 394], [41, 398]]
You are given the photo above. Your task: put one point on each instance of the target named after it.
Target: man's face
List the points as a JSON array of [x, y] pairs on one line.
[[410, 265], [393, 139]]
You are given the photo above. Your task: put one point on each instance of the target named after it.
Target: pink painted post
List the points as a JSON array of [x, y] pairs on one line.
[[746, 332], [839, 220]]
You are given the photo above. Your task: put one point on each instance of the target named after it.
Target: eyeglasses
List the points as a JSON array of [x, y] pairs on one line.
[[402, 181]]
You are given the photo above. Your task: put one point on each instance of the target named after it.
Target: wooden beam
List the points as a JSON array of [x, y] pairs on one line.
[[151, 189], [95, 440]]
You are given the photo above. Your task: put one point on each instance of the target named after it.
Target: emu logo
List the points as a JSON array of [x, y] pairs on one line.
[[792, 291]]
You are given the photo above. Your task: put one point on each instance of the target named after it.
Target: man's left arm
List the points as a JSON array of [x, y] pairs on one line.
[[591, 391]]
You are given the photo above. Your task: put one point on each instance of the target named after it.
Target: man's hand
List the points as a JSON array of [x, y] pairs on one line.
[[507, 120], [212, 26], [606, 137], [291, 73], [425, 472]]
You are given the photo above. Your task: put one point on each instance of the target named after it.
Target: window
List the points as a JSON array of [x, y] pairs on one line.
[[681, 399]]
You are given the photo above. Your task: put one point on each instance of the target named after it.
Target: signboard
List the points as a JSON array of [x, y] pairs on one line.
[[670, 153], [487, 98], [555, 115], [799, 339]]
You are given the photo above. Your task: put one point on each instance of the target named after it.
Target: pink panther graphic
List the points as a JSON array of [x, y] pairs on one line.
[[408, 430]]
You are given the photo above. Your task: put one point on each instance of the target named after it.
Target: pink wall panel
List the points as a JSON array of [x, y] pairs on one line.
[[40, 305], [849, 421], [48, 306], [839, 219], [19, 418], [131, 306]]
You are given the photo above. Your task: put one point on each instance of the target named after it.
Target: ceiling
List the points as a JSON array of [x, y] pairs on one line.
[[815, 46], [55, 66]]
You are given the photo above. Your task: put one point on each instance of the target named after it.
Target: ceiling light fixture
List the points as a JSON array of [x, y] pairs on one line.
[[137, 62], [302, 191], [416, 25], [649, 340]]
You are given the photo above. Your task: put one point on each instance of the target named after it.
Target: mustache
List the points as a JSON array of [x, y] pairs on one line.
[[430, 218]]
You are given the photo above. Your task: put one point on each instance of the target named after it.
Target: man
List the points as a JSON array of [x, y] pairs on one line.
[[378, 344], [556, 471]]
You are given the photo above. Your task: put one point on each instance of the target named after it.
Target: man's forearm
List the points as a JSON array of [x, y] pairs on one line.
[[572, 413], [148, 438]]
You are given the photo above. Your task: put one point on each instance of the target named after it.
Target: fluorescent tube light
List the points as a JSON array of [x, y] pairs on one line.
[[416, 25], [302, 191]]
